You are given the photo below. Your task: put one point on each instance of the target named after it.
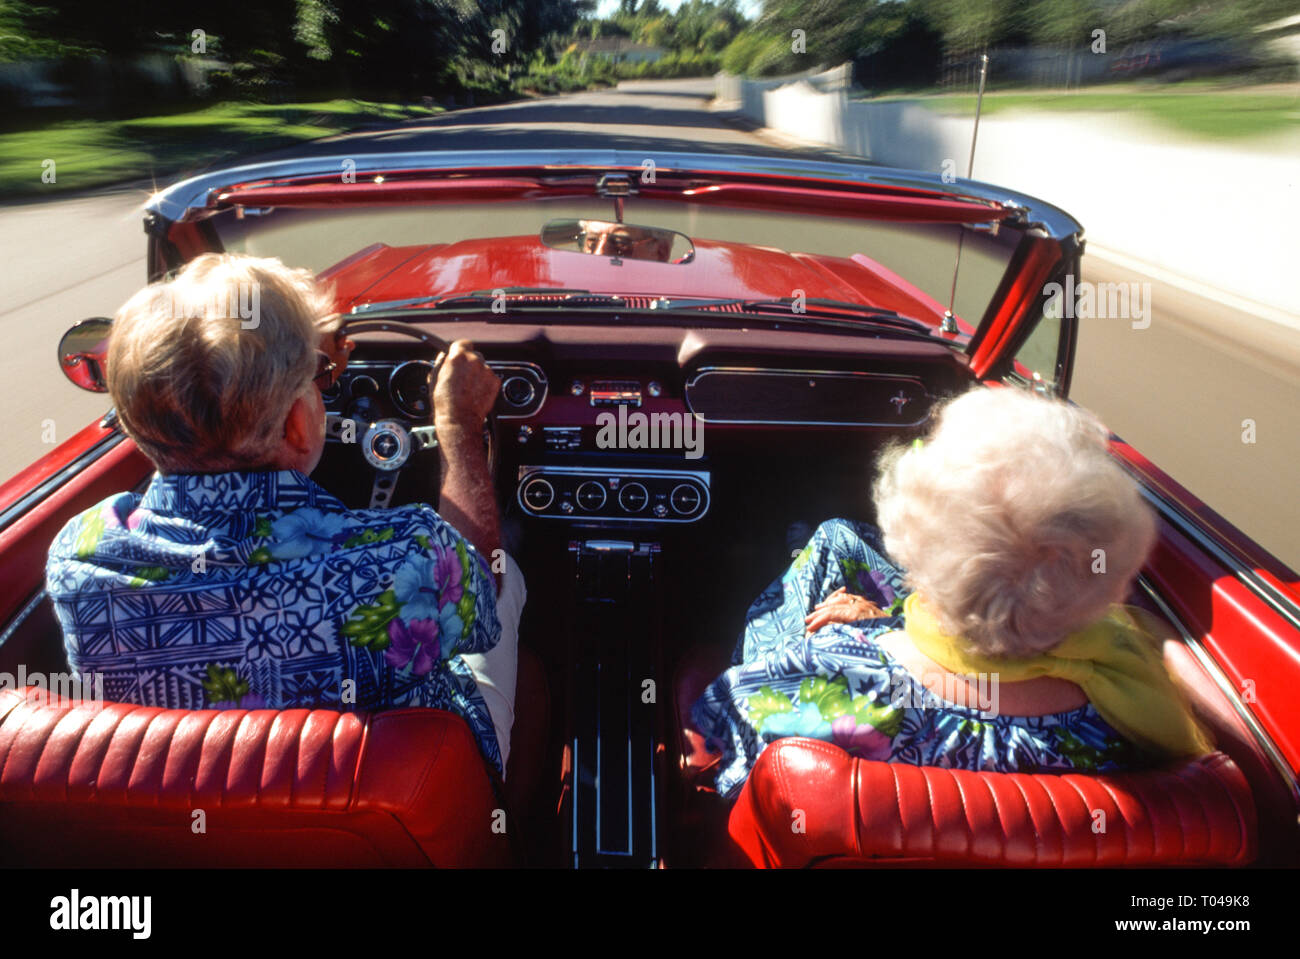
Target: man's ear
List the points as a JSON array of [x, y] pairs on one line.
[[300, 426]]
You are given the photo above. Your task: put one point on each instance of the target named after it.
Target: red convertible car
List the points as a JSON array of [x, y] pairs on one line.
[[738, 318]]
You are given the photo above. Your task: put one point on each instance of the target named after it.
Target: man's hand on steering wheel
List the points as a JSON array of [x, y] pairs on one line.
[[464, 391], [463, 395], [338, 346]]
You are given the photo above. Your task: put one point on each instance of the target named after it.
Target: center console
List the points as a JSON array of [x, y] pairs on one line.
[[615, 643], [610, 476]]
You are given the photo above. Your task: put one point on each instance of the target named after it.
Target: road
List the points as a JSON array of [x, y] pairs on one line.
[[1179, 390]]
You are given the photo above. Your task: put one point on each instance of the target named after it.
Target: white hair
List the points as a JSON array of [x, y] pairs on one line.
[[198, 384], [1013, 520]]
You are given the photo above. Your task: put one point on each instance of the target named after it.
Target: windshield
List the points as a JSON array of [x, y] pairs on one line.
[[741, 253]]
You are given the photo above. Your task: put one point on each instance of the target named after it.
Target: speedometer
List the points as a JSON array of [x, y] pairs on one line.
[[409, 388]]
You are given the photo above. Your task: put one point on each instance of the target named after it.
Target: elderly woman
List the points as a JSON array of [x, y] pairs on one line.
[[995, 642], [234, 581]]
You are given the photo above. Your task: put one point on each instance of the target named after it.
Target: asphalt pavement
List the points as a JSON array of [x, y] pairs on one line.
[[1182, 390]]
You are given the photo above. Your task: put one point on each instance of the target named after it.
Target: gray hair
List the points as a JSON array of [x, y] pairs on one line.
[[1013, 520], [203, 369]]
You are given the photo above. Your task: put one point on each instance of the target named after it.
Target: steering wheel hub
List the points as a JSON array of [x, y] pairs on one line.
[[387, 445]]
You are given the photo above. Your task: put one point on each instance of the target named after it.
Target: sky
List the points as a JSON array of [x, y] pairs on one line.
[[607, 7]]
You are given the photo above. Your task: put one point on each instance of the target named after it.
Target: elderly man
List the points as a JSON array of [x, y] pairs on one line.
[[235, 581]]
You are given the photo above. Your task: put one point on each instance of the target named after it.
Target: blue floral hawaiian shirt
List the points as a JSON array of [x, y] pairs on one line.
[[841, 686], [262, 590]]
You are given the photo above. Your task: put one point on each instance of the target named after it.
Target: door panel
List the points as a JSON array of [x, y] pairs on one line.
[[111, 465]]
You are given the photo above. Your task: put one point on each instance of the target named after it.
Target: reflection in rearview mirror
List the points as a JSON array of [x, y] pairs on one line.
[[618, 240], [82, 352]]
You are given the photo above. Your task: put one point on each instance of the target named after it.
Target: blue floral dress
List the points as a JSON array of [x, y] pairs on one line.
[[839, 685], [262, 590]]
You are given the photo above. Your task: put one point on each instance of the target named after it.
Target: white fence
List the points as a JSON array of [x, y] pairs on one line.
[[1220, 214], [746, 96]]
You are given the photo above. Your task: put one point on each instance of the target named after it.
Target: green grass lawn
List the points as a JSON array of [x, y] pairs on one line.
[[95, 152], [1198, 110]]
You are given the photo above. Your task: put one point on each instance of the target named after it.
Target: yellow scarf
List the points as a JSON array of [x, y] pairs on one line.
[[1116, 663]]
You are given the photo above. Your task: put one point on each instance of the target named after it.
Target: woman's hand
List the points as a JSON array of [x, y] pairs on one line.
[[841, 606]]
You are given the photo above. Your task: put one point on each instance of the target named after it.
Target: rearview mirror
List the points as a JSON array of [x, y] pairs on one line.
[[82, 352], [618, 240]]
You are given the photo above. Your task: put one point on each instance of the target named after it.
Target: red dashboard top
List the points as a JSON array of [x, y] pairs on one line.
[[382, 273]]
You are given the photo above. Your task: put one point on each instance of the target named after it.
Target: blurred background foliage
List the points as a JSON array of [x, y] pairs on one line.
[[126, 55], [383, 49], [904, 42]]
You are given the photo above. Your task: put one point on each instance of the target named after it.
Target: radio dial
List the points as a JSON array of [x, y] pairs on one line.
[[685, 499], [539, 494], [633, 497], [591, 495]]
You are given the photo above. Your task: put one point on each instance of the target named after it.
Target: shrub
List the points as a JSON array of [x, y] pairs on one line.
[[740, 53]]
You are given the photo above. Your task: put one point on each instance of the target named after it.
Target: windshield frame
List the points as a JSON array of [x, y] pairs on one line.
[[177, 219]]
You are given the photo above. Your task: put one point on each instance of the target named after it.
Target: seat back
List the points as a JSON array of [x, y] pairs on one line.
[[808, 802], [115, 784]]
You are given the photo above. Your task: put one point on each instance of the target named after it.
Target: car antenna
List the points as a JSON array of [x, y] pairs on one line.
[[949, 324]]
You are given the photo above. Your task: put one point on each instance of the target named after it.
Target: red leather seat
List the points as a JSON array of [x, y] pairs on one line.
[[808, 802], [117, 784]]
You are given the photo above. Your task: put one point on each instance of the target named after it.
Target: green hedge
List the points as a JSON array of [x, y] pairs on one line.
[[757, 55], [571, 72]]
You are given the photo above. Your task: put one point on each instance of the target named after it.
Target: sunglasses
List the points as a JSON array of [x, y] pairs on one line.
[[325, 368]]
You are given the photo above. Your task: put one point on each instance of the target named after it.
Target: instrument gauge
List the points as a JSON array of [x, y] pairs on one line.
[[408, 387]]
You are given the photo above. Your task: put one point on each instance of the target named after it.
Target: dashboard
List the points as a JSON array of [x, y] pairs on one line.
[[613, 435], [403, 388]]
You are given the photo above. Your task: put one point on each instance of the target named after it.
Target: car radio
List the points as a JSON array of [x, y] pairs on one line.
[[613, 496], [615, 393]]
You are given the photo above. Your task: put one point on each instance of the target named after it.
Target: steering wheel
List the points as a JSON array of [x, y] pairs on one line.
[[387, 444]]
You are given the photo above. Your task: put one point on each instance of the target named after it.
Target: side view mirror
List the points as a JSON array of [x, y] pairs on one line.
[[82, 352], [618, 240]]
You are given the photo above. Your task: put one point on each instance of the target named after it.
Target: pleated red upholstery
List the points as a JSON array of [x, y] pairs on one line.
[[808, 802], [120, 785]]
